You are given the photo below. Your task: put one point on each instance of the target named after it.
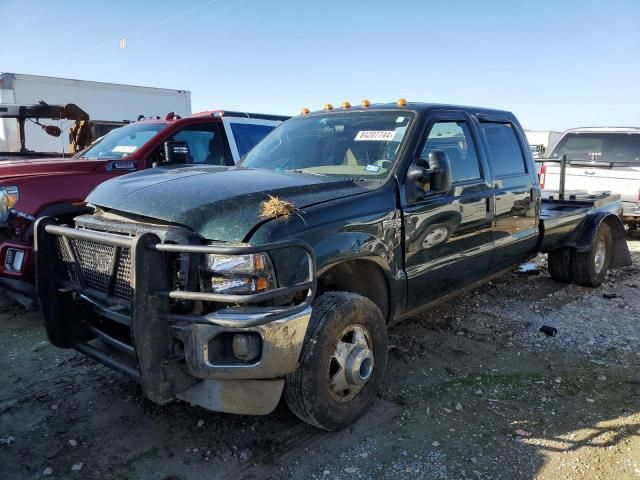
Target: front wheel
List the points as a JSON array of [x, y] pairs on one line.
[[342, 361]]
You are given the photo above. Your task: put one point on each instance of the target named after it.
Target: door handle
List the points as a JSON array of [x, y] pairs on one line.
[[589, 172]]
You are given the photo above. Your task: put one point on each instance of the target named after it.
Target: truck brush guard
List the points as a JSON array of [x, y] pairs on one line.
[[110, 297]]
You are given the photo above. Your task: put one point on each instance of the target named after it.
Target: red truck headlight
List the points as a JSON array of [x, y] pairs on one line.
[[8, 198]]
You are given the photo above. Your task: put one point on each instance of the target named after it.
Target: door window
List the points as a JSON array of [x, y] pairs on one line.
[[248, 135], [205, 143], [505, 154], [454, 139]]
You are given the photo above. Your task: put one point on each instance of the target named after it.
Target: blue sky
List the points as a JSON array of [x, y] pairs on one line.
[[555, 64]]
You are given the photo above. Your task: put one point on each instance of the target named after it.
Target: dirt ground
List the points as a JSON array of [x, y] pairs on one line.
[[473, 390]]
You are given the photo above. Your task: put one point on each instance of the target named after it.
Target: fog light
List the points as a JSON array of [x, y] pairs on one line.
[[246, 346], [13, 259]]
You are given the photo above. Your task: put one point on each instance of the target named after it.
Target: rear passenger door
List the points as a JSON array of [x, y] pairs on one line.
[[517, 194], [448, 236]]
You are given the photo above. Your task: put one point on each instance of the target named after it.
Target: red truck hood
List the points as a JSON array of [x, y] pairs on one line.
[[45, 182], [46, 166]]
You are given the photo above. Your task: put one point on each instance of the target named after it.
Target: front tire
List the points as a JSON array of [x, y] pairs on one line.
[[590, 267], [342, 361]]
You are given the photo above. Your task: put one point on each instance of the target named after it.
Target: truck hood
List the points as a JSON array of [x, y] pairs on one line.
[[45, 166], [218, 203]]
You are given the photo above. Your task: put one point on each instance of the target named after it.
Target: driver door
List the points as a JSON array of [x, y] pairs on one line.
[[449, 235]]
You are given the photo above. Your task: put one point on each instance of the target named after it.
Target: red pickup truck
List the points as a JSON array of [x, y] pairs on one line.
[[33, 188]]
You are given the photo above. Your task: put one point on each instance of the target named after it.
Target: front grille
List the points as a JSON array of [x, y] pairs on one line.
[[104, 268]]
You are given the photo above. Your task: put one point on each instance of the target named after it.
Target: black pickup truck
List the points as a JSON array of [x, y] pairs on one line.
[[227, 286]]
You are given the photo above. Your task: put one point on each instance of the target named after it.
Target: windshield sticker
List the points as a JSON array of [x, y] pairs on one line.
[[375, 135], [372, 168], [399, 119], [124, 149]]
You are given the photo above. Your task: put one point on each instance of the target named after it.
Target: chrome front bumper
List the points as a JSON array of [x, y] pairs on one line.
[[281, 343], [253, 388]]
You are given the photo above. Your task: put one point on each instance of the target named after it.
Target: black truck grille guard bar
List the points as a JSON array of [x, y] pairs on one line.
[[147, 317], [121, 241]]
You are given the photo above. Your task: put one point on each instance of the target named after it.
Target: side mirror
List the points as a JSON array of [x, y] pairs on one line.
[[431, 178], [176, 152], [440, 170], [418, 174]]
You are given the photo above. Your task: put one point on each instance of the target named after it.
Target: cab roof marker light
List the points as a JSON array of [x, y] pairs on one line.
[[402, 102], [304, 111], [328, 106], [365, 103], [346, 104]]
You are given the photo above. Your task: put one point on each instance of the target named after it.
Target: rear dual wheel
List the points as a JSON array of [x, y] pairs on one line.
[[590, 268], [342, 361], [587, 268]]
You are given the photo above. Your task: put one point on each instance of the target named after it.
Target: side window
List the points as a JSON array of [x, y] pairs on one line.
[[454, 139], [247, 135], [205, 143], [505, 153]]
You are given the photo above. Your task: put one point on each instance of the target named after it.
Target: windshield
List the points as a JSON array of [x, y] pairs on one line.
[[122, 142], [356, 144], [603, 147]]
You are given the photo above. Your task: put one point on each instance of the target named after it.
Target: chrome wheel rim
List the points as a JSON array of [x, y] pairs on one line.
[[351, 364], [600, 253]]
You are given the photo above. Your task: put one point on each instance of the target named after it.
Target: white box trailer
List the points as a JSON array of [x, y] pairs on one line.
[[542, 141], [102, 101]]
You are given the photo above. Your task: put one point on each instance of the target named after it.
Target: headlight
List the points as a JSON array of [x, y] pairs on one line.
[[8, 198], [238, 274]]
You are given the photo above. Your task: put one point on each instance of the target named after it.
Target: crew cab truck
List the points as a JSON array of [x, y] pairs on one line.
[[30, 189], [228, 287]]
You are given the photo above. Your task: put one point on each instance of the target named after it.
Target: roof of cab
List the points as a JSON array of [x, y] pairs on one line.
[[415, 106], [229, 113], [219, 114]]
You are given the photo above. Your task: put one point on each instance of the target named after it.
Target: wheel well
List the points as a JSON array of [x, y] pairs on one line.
[[363, 277]]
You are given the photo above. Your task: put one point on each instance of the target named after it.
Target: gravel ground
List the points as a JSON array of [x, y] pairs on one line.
[[473, 390]]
